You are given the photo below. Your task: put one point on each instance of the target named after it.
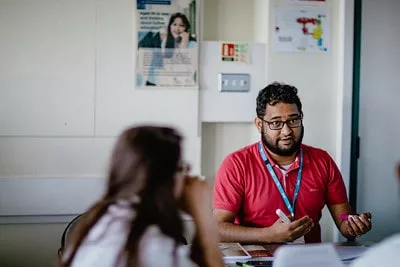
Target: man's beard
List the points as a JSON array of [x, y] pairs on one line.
[[274, 147]]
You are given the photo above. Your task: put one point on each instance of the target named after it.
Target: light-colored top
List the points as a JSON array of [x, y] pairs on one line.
[[106, 240], [386, 253]]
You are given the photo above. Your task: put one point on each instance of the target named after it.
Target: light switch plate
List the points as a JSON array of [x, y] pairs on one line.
[[233, 82]]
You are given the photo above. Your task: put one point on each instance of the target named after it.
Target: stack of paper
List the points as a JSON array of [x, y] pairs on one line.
[[233, 251]]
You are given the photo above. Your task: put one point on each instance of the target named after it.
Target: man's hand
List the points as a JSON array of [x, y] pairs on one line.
[[357, 225], [283, 232]]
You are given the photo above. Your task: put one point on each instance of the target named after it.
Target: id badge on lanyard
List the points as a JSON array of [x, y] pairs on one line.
[[289, 205]]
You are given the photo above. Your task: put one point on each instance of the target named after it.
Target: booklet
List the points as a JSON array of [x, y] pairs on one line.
[[233, 251], [257, 251]]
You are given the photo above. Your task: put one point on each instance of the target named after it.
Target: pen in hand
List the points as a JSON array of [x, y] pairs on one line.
[[283, 217], [347, 217]]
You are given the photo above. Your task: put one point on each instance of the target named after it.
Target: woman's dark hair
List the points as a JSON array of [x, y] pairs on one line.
[[170, 43], [276, 93], [144, 163]]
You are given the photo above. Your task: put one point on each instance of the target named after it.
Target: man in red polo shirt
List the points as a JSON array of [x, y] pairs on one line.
[[280, 172]]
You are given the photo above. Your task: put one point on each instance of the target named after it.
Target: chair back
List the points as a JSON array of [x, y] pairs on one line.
[[67, 231]]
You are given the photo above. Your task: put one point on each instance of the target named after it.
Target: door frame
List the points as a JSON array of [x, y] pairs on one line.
[[349, 23], [355, 114]]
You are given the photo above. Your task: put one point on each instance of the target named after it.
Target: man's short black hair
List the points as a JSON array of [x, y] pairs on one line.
[[276, 93]]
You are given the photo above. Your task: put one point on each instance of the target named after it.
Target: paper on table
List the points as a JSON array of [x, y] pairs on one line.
[[233, 251], [315, 255], [347, 253]]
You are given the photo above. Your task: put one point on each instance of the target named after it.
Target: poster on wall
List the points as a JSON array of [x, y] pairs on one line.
[[302, 29], [167, 48], [235, 52]]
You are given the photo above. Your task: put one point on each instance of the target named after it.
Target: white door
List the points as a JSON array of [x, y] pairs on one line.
[[379, 122]]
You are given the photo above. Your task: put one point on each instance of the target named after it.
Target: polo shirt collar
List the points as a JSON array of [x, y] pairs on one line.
[[296, 163]]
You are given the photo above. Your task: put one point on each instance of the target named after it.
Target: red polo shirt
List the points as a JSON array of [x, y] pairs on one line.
[[244, 186]]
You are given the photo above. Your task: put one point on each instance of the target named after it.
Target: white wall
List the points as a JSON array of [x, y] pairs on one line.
[[66, 92], [315, 75], [55, 126], [67, 85]]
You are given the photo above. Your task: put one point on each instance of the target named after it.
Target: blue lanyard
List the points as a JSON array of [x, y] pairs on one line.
[[289, 205]]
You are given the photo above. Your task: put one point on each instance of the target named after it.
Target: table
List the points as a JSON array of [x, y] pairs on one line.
[[273, 247]]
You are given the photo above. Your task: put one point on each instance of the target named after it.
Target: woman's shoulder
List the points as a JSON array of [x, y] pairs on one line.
[[154, 241], [158, 249], [106, 239], [115, 222]]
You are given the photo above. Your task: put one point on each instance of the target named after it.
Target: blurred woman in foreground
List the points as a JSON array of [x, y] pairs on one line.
[[137, 222]]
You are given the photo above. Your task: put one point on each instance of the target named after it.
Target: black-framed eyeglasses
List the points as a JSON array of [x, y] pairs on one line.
[[278, 125]]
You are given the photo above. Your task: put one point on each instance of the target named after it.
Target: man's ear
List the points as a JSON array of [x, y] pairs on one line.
[[258, 122]]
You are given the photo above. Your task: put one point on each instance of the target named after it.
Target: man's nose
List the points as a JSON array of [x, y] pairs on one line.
[[286, 129]]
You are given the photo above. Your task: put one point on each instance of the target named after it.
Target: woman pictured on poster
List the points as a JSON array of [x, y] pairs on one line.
[[176, 36]]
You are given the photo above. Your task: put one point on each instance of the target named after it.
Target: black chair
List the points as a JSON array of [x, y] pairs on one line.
[[67, 231]]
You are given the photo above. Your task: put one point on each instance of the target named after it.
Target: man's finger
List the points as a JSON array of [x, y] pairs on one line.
[[297, 223], [304, 228], [366, 223], [357, 225], [365, 219]]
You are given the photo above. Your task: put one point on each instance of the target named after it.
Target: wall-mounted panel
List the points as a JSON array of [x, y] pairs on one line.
[[217, 106]]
